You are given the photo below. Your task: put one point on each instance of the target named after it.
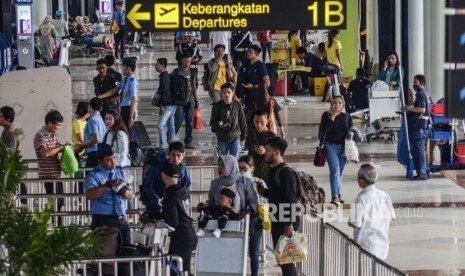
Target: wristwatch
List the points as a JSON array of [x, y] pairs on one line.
[[108, 184]]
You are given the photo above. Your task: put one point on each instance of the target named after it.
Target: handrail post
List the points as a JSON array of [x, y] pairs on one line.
[[322, 248]]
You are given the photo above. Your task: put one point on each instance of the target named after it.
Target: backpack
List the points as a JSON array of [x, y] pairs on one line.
[[135, 155], [206, 76], [180, 87], [154, 161], [308, 191]]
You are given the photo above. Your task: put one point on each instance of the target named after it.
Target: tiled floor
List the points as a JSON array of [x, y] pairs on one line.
[[428, 236]]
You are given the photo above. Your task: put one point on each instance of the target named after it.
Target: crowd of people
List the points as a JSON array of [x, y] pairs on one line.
[[244, 116]]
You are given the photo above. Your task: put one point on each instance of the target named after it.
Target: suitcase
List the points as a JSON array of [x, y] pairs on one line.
[[140, 135]]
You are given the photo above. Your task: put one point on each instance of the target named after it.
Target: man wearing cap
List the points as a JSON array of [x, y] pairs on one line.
[[251, 73], [119, 18], [193, 49], [176, 208], [60, 25], [107, 189]]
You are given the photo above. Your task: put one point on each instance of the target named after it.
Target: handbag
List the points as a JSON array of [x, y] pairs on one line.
[[320, 154], [156, 99]]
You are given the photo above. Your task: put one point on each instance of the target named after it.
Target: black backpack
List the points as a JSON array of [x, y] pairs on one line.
[[154, 161], [180, 87], [308, 191]]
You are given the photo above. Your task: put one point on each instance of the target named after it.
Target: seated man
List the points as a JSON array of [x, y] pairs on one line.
[[222, 212], [107, 189], [359, 90], [312, 61]]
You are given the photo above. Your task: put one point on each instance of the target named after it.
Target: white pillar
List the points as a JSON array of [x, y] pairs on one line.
[[415, 39], [428, 41], [398, 28], [39, 11], [438, 50], [372, 30]]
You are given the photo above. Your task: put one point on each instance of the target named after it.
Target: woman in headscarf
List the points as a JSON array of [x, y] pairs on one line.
[[246, 198], [47, 35]]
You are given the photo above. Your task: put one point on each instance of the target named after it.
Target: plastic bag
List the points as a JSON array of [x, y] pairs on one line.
[[351, 151], [380, 85], [263, 211], [291, 250], [197, 119], [68, 161]]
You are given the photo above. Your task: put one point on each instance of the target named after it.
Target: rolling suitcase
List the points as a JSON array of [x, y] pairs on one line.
[[140, 135]]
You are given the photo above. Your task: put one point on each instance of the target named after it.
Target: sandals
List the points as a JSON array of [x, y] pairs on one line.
[[337, 200]]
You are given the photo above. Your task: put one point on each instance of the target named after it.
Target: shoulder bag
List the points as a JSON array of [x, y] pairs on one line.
[[320, 154]]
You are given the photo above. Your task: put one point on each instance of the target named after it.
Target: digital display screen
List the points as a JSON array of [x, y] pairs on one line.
[[105, 6], [24, 23]]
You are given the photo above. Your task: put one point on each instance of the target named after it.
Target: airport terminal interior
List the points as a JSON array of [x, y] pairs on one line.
[[427, 236]]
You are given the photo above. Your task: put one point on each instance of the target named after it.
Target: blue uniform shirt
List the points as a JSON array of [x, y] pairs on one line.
[[420, 129], [94, 124], [129, 87], [119, 17], [110, 203]]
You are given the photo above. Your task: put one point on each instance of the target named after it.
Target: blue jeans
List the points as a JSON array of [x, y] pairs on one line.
[[232, 148], [336, 163], [185, 113], [254, 251], [266, 47], [420, 158], [166, 119]]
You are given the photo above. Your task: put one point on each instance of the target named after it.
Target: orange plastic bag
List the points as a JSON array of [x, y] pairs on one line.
[[197, 119]]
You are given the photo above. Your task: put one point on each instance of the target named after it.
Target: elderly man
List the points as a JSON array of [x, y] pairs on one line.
[[372, 214], [107, 189]]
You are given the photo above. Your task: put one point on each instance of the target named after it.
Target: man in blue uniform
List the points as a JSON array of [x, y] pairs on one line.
[[421, 109], [119, 18], [107, 190], [129, 88]]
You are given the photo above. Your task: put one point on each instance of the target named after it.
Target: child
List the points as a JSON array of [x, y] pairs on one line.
[[222, 212], [272, 107]]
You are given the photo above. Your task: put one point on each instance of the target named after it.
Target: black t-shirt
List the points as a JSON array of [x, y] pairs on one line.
[[359, 89], [336, 131], [284, 192], [315, 63], [102, 86], [115, 74]]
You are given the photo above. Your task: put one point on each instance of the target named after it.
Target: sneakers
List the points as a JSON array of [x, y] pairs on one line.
[[190, 146], [200, 233], [217, 233]]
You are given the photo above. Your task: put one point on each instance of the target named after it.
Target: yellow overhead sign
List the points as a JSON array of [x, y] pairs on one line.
[[231, 15], [166, 15]]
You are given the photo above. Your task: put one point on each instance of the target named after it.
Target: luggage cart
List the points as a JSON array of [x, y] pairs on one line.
[[226, 255], [383, 107]]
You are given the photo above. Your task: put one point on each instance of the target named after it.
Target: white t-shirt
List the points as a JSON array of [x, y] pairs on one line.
[[120, 147], [221, 37], [371, 216], [237, 199]]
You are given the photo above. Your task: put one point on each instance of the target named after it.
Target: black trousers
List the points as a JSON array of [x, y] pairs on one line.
[[91, 161], [277, 229], [120, 38], [113, 221], [125, 110], [56, 188], [182, 245]]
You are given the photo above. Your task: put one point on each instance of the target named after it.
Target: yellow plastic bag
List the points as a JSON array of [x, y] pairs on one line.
[[291, 250], [263, 211]]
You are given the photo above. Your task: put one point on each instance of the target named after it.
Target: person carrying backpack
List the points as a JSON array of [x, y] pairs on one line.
[[184, 94], [152, 189], [282, 190]]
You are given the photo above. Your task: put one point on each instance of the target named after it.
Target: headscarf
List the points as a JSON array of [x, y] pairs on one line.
[[232, 170], [46, 25], [343, 110]]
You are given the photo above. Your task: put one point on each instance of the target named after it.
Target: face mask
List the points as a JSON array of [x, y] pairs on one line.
[[246, 174], [416, 88]]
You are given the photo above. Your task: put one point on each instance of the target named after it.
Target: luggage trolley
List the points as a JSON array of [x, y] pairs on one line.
[[226, 255], [382, 117]]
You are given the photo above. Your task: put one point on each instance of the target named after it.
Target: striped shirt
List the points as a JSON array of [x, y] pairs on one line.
[[49, 167]]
